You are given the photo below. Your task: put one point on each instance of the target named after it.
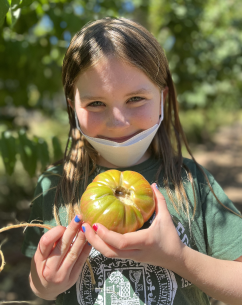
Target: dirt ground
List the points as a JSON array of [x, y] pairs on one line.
[[223, 158]]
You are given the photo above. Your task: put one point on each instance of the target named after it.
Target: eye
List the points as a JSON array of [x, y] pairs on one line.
[[136, 99], [96, 104]]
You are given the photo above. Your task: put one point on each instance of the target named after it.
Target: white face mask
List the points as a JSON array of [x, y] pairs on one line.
[[126, 153]]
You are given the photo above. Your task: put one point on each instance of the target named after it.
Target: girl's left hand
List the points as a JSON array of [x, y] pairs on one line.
[[158, 245]]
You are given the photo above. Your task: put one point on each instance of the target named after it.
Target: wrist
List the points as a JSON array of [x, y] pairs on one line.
[[176, 262], [41, 294]]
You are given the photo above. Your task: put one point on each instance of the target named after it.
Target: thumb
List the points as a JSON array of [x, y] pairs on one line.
[[161, 209]]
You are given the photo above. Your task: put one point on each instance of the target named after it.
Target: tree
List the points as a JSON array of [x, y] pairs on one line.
[[203, 43], [34, 39]]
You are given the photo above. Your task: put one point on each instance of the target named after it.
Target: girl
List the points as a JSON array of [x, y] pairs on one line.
[[123, 114]]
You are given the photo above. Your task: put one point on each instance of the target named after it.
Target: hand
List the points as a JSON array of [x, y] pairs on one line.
[[158, 245], [58, 262]]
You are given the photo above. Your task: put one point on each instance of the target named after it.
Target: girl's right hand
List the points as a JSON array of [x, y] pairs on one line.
[[58, 262]]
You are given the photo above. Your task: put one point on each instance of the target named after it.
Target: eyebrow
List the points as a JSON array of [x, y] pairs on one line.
[[139, 91]]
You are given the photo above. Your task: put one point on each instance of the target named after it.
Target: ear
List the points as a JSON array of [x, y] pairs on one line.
[[71, 104]]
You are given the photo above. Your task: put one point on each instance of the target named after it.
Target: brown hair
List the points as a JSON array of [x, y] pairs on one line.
[[131, 42]]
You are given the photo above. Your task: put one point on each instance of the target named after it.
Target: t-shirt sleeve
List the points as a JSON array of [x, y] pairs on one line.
[[223, 228], [33, 234]]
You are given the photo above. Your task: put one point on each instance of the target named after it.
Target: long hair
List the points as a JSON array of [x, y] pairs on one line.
[[132, 43]]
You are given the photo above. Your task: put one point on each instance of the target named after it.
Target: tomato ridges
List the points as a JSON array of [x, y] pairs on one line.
[[121, 179], [121, 201]]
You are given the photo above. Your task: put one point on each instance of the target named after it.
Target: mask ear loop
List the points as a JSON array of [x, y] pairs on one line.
[[161, 116], [77, 123]]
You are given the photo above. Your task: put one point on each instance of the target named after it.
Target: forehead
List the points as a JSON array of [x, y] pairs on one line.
[[109, 72]]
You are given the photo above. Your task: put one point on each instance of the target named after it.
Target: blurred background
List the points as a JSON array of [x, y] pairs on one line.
[[203, 43]]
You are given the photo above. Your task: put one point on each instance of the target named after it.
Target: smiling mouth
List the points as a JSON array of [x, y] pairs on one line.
[[121, 139]]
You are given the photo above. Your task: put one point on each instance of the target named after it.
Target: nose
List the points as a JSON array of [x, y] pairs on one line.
[[117, 118]]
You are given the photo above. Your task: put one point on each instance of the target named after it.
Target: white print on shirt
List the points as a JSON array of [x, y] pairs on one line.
[[180, 230], [185, 283], [125, 282]]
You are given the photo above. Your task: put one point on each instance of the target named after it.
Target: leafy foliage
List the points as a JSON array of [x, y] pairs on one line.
[[33, 153], [203, 43], [8, 151], [34, 39]]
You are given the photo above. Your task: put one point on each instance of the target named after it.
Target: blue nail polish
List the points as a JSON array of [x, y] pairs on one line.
[[89, 244], [83, 229], [77, 219], [156, 186]]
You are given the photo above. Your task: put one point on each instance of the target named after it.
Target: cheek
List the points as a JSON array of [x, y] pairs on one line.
[[90, 123], [147, 117]]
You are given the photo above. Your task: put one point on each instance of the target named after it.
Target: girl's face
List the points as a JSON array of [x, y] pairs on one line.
[[115, 101]]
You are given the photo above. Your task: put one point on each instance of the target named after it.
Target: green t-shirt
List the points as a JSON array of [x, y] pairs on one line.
[[214, 231]]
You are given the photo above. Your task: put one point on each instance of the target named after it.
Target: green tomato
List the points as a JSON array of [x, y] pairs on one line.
[[121, 201]]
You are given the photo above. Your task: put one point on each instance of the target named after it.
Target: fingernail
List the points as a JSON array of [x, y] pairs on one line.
[[77, 219], [95, 227], [88, 244], [156, 186], [83, 229]]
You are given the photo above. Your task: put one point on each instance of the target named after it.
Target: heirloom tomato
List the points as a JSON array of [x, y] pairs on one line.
[[121, 201]]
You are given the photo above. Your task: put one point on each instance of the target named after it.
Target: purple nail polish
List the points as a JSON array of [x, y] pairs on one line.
[[77, 219]]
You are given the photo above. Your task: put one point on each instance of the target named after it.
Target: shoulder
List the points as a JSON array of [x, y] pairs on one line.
[[50, 177], [47, 183], [202, 179], [46, 188], [198, 172], [208, 188], [55, 171]]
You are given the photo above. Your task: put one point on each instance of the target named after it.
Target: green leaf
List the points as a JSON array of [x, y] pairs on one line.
[[42, 152], [15, 3], [4, 7], [28, 153], [9, 18], [26, 3], [58, 153], [8, 151], [13, 15]]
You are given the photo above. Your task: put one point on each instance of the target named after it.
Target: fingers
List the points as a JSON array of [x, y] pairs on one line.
[[73, 256], [163, 219], [116, 244], [63, 245], [128, 241], [59, 259], [77, 268], [48, 241], [112, 244], [61, 248], [161, 206]]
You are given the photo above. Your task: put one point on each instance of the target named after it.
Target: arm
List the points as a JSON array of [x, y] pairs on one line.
[[220, 279], [57, 262]]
